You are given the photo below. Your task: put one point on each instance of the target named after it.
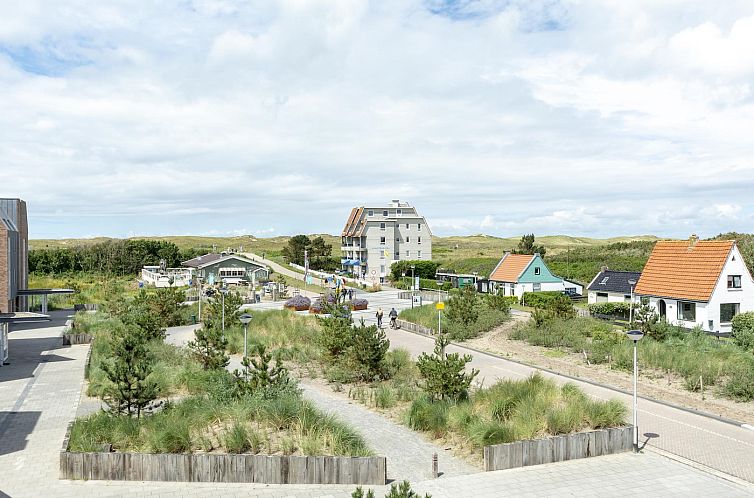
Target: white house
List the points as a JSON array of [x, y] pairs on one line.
[[611, 286], [519, 273], [697, 283]]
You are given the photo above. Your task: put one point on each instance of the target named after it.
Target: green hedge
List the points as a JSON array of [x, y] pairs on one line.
[[422, 268], [621, 310], [743, 330], [540, 299]]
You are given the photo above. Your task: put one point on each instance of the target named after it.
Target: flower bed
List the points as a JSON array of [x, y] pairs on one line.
[[298, 303], [317, 307], [358, 304]]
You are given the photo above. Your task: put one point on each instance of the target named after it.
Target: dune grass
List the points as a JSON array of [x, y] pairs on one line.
[[513, 410], [284, 425]]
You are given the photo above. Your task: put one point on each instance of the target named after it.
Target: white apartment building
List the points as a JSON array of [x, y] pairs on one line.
[[376, 237]]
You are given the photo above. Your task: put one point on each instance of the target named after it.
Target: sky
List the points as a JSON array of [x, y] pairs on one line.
[[236, 117]]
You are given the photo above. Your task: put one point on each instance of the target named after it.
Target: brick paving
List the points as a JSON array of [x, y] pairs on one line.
[[39, 393]]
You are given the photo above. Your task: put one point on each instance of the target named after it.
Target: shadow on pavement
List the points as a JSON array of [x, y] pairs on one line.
[[25, 354], [15, 427]]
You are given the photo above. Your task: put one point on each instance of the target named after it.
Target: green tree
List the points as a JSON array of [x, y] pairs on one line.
[[402, 490], [320, 252], [423, 268], [462, 308], [335, 338], [445, 374], [647, 319], [293, 252], [527, 246], [498, 302], [262, 377], [128, 371], [209, 347], [233, 303], [367, 351]]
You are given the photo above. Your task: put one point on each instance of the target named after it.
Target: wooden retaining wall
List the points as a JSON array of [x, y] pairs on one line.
[[69, 339], [413, 327], [274, 469], [558, 448]]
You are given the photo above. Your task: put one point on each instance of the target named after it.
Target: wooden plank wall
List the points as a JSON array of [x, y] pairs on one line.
[[558, 448], [274, 469]]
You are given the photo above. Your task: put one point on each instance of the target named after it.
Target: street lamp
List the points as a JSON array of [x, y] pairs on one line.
[[631, 304], [245, 319], [635, 335], [223, 291], [413, 286]]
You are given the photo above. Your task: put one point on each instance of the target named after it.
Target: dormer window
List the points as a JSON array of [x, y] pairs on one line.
[[537, 270], [604, 281], [734, 281]]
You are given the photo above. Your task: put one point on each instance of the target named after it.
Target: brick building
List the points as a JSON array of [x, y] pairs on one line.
[[14, 255]]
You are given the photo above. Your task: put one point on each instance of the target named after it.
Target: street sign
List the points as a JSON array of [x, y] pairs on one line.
[[373, 272], [418, 300], [440, 306], [416, 283]]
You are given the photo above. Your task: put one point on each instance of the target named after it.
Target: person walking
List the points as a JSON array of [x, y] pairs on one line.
[[379, 315], [393, 317]]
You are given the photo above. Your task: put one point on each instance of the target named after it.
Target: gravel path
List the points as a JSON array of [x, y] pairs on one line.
[[409, 456]]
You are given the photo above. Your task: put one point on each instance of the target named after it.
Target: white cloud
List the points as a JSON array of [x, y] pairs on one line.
[[583, 117]]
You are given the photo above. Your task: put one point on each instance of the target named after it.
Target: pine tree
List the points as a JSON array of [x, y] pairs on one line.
[[444, 374], [261, 374], [462, 307], [128, 370], [209, 347]]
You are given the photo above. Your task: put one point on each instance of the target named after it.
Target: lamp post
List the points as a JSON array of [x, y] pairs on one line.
[[439, 307], [413, 286], [635, 335], [245, 319], [223, 291], [631, 304]]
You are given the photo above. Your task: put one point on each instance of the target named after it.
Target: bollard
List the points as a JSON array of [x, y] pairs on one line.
[[434, 466]]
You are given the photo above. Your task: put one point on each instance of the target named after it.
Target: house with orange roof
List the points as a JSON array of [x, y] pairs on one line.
[[519, 273], [694, 282]]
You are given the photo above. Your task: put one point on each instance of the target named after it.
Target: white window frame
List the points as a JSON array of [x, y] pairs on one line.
[[736, 311], [680, 315], [732, 282], [537, 270]]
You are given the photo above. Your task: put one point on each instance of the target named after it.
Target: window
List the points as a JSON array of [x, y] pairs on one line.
[[419, 227], [397, 239], [370, 213], [644, 301], [382, 226], [382, 269], [407, 226], [384, 213], [398, 212], [734, 281], [537, 270], [382, 240], [418, 240], [418, 255], [602, 297], [397, 255], [407, 240], [728, 311], [604, 281], [408, 254], [537, 287], [686, 311], [627, 298]]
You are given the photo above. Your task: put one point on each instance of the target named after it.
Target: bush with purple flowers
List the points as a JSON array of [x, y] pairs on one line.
[[298, 303]]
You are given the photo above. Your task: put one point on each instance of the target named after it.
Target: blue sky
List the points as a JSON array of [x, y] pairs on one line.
[[583, 117]]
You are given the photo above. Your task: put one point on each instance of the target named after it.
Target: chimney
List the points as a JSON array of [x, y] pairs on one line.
[[692, 241], [603, 268]]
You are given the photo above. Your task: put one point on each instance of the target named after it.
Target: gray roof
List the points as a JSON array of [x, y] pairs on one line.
[[614, 281], [208, 259]]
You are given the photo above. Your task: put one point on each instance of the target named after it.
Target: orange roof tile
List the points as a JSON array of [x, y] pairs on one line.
[[679, 269], [510, 267]]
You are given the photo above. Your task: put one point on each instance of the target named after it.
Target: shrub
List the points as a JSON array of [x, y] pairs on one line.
[[263, 378], [743, 330], [298, 303], [486, 432], [318, 306], [236, 439], [462, 308], [621, 310], [740, 384], [445, 374], [423, 268], [539, 299], [367, 350]]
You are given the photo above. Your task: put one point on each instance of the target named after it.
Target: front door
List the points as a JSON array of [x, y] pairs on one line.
[[661, 308]]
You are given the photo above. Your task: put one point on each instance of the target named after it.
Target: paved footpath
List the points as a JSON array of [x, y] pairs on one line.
[[39, 392]]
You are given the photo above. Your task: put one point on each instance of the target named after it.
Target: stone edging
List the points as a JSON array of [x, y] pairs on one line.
[[268, 469], [558, 448], [414, 327]]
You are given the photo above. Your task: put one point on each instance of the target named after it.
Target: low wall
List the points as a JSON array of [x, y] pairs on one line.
[[558, 448], [69, 339], [427, 295], [274, 469], [413, 327]]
